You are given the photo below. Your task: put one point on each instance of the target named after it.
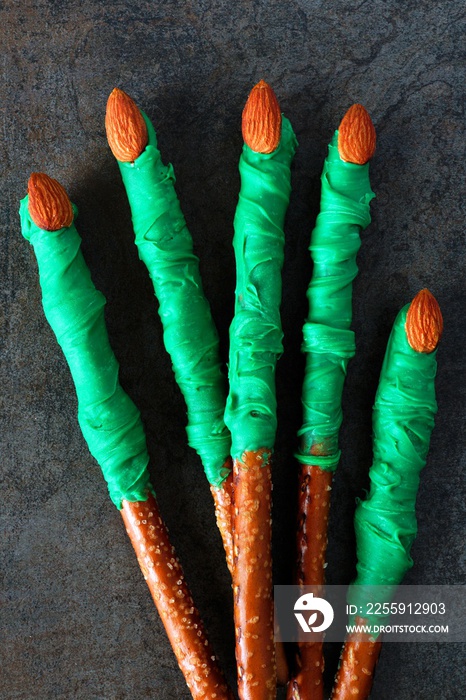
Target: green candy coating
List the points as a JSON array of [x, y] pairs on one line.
[[166, 248], [255, 333], [403, 420], [328, 342], [109, 420]]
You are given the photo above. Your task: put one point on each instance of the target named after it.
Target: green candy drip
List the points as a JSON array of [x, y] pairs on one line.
[[109, 420], [403, 420], [166, 248], [328, 342], [255, 333]]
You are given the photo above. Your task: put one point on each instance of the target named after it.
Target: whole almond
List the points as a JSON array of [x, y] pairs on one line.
[[356, 136], [262, 119], [424, 322], [126, 129], [49, 205]]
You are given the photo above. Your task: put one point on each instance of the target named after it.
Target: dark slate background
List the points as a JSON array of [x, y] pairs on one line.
[[77, 620]]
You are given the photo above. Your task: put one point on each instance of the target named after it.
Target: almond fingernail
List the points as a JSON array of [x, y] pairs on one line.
[[126, 129], [424, 322], [356, 136], [49, 205], [262, 119]]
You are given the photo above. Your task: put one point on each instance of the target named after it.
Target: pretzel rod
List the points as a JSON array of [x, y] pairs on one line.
[[252, 577], [164, 576], [111, 424], [329, 345], [223, 500], [357, 665], [385, 523], [281, 660], [166, 248], [313, 506], [255, 345]]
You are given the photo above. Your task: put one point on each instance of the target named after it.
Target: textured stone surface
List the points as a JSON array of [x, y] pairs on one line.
[[77, 620]]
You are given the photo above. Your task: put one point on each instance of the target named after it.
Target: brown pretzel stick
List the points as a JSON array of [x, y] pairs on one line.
[[314, 506], [252, 576], [223, 499], [283, 671], [357, 664], [224, 511], [313, 509], [181, 619]]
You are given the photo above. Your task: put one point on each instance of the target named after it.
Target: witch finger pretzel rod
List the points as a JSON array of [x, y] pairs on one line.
[[328, 344], [166, 248], [111, 425], [385, 522], [255, 345]]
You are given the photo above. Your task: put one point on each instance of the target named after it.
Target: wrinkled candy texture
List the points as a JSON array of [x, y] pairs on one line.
[[328, 342], [165, 246], [403, 420], [109, 420], [255, 333]]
